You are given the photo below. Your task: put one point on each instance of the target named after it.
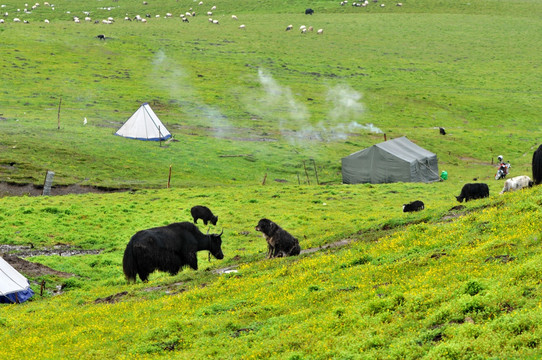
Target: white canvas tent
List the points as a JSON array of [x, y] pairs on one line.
[[144, 125], [14, 287], [397, 160]]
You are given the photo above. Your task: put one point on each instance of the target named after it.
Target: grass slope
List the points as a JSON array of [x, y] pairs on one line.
[[262, 102], [437, 284]]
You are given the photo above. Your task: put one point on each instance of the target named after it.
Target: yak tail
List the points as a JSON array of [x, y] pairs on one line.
[[128, 263]]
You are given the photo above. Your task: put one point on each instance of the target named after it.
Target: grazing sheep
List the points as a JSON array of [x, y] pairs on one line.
[[169, 15], [185, 19], [209, 13], [320, 31], [233, 17], [311, 28], [242, 27], [215, 22], [1, 21], [46, 21], [16, 20], [213, 8], [289, 27]]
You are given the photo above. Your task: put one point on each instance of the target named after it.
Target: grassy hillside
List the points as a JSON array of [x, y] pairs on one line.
[[437, 284], [279, 96], [264, 103]]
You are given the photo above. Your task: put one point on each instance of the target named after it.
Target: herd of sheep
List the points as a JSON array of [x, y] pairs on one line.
[[143, 19]]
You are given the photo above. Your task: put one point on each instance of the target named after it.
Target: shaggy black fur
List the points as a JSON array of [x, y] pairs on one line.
[[414, 206], [537, 166], [279, 242], [473, 191], [167, 248], [203, 213]]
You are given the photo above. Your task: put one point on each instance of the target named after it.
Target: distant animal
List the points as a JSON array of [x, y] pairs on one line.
[[309, 11], [414, 206], [289, 27], [517, 183], [320, 31], [167, 248], [473, 191], [537, 166], [185, 19], [279, 242], [204, 213], [442, 131], [101, 37]]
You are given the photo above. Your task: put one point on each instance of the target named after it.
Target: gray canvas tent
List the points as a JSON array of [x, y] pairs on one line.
[[144, 125], [397, 160]]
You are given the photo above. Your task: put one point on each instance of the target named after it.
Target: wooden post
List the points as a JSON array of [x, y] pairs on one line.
[[264, 178], [385, 137], [58, 116], [315, 172], [306, 173], [169, 177]]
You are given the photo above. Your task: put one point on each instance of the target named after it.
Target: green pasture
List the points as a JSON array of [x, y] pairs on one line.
[[260, 119]]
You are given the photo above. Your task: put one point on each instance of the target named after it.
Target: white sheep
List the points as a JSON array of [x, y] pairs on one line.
[[209, 13], [302, 27], [320, 31], [213, 8], [234, 17], [16, 20], [169, 15], [242, 26], [215, 22], [289, 27], [1, 21], [46, 21]]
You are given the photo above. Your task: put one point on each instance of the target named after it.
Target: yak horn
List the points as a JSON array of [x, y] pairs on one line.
[[221, 232]]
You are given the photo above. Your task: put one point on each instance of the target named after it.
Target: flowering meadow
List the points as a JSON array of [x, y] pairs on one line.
[[442, 283]]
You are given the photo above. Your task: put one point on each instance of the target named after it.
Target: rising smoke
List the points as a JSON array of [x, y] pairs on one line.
[[278, 103]]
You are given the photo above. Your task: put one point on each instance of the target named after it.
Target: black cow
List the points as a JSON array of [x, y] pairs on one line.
[[204, 213], [537, 166], [414, 206], [279, 242], [309, 11], [473, 191], [167, 248]]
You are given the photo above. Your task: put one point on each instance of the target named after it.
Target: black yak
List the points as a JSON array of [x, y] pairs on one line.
[[473, 191], [414, 206], [167, 248], [101, 36], [537, 166], [309, 11], [442, 131], [204, 213], [279, 242]]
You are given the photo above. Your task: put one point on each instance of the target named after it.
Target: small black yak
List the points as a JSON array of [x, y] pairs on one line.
[[537, 166], [279, 242], [414, 206], [309, 11], [473, 191], [204, 213], [167, 248]]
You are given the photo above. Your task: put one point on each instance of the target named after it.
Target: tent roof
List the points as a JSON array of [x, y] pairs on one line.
[[405, 149], [400, 147], [144, 124], [11, 280]]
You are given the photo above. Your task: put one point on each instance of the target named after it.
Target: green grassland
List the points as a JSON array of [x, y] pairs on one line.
[[244, 105]]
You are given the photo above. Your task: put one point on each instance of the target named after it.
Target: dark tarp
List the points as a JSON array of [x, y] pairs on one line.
[[396, 160]]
